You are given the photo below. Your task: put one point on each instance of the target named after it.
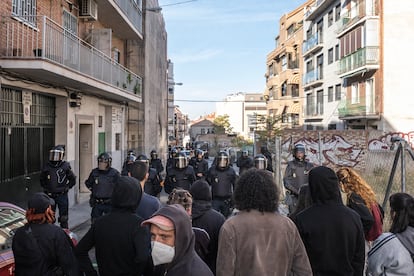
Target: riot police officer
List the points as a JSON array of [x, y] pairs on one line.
[[260, 162], [265, 151], [222, 179], [152, 185], [171, 159], [130, 159], [156, 163], [296, 175], [56, 179], [101, 182], [199, 164], [181, 175], [245, 162]]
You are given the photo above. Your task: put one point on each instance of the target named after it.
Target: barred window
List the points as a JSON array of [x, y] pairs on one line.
[[25, 10]]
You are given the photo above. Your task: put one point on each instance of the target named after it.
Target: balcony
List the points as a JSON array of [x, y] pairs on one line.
[[352, 109], [312, 78], [364, 59], [356, 15], [313, 44], [317, 9], [42, 50], [124, 17]]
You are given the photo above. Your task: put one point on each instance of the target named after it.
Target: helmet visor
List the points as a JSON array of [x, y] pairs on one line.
[[56, 155], [260, 163], [181, 162], [222, 161]]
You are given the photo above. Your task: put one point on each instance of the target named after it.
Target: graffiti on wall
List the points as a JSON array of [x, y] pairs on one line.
[[384, 142], [334, 150]]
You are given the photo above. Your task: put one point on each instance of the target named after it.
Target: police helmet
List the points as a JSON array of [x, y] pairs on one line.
[[174, 152], [222, 161], [199, 154], [57, 153], [142, 158], [299, 148], [260, 162], [105, 157], [181, 161], [154, 154], [245, 153]]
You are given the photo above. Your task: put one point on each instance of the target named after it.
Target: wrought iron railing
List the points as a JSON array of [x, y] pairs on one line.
[[132, 11], [357, 107], [49, 41], [362, 57]]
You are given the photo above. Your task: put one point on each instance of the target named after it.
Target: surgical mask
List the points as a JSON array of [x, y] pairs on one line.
[[161, 253]]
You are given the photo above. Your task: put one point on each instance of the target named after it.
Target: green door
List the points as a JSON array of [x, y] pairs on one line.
[[101, 142]]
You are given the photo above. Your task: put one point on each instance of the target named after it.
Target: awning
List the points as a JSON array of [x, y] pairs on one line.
[[294, 108], [294, 79]]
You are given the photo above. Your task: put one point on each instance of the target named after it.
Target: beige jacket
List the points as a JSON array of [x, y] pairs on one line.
[[255, 243]]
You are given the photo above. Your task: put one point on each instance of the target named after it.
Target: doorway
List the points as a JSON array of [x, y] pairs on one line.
[[86, 157]]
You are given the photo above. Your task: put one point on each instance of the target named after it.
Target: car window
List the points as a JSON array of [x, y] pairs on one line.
[[10, 220]]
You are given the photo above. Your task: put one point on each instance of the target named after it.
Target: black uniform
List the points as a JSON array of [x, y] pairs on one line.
[[200, 167], [244, 163], [222, 183], [153, 185], [56, 179], [156, 164], [101, 183], [182, 178]]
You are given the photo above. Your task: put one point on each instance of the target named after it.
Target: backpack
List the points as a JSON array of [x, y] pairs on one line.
[[376, 229]]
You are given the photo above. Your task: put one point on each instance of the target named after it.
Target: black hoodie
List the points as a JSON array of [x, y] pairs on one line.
[[186, 262], [121, 244], [332, 233]]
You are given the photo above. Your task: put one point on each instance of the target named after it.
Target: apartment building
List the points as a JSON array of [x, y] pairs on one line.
[[244, 111], [73, 73], [322, 86], [284, 93]]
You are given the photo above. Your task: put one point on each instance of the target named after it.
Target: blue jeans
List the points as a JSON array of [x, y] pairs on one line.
[[62, 203]]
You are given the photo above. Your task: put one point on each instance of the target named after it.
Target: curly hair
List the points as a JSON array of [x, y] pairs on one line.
[[182, 197], [352, 182], [402, 210], [256, 190]]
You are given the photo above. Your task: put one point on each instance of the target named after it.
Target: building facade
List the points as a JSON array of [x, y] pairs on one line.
[[72, 74]]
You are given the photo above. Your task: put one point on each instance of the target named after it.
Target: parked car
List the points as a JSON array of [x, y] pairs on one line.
[[11, 218]]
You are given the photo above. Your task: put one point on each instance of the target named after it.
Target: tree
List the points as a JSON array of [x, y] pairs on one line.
[[269, 127], [222, 125]]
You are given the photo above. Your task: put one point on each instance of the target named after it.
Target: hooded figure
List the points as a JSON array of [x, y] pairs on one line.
[[332, 233], [185, 260], [205, 217], [121, 244]]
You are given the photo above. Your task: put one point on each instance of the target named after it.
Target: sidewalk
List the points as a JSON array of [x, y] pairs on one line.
[[79, 213]]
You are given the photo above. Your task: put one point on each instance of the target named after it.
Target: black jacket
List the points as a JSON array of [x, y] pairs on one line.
[[57, 179], [179, 178], [39, 248], [296, 175], [244, 163], [331, 232], [200, 166], [205, 217], [102, 183], [121, 244], [153, 185], [222, 182]]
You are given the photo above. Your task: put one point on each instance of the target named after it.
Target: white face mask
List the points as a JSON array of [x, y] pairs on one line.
[[161, 253]]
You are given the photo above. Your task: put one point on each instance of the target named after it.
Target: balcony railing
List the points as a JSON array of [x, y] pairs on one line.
[[132, 11], [311, 77], [360, 108], [311, 43], [363, 57], [363, 9], [50, 41]]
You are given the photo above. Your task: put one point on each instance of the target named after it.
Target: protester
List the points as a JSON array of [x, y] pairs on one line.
[[258, 240], [392, 253], [56, 179], [244, 162], [149, 204], [269, 164], [205, 217], [332, 233], [40, 247], [173, 243], [202, 239], [121, 244]]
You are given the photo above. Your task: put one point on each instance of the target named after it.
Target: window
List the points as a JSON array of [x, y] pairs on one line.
[[284, 89], [336, 52], [319, 29], [330, 56], [100, 121], [310, 106], [309, 66], [295, 90], [271, 69], [338, 12], [290, 30], [354, 93], [337, 92], [117, 141], [320, 67], [70, 22], [117, 55], [203, 131], [284, 62], [25, 10], [330, 18], [330, 94], [331, 126], [319, 102]]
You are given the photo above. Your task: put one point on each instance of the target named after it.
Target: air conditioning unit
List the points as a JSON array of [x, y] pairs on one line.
[[88, 10]]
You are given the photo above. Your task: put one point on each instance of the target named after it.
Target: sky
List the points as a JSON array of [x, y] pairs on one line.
[[219, 47]]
